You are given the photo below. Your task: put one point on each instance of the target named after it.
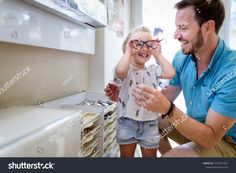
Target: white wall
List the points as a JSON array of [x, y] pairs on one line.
[[107, 53], [225, 29], [54, 73], [136, 13], [97, 65], [113, 53], [161, 14]]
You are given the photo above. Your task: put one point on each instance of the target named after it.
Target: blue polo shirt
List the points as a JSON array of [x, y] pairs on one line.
[[215, 88]]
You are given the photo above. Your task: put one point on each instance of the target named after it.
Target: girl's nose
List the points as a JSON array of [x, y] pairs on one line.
[[145, 46]]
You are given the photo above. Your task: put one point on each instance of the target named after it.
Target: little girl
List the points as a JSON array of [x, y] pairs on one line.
[[136, 125]]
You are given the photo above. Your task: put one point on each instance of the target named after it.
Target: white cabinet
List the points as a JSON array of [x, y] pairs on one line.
[[60, 128], [23, 23], [39, 132]]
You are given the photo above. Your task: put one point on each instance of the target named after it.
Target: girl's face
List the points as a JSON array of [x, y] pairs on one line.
[[141, 55]]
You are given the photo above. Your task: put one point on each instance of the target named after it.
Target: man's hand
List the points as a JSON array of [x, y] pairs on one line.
[[112, 91], [151, 99]]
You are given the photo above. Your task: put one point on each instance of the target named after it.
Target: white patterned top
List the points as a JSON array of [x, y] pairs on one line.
[[127, 106]]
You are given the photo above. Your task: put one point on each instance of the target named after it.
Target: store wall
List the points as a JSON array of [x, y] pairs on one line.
[[53, 74], [108, 52]]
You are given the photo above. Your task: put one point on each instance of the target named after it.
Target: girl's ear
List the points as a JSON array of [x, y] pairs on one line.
[[129, 43], [125, 44]]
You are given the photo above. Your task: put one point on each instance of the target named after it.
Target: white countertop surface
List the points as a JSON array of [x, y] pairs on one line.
[[17, 122]]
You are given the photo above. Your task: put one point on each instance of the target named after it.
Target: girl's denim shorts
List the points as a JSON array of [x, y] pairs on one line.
[[145, 133]]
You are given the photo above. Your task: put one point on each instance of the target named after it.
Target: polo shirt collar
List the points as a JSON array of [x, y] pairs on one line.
[[217, 53]]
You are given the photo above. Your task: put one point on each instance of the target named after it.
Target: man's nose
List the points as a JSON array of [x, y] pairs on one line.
[[177, 35]]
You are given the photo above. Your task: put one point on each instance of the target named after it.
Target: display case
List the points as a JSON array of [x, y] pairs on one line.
[[97, 137]]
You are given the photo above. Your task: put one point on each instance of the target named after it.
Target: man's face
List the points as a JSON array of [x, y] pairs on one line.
[[188, 31]]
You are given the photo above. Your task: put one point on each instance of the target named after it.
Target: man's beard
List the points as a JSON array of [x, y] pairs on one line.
[[198, 44]]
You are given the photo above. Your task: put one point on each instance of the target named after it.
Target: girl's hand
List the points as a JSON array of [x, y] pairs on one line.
[[112, 91], [129, 49], [156, 52]]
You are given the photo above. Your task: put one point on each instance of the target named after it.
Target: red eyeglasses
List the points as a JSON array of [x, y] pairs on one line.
[[139, 44]]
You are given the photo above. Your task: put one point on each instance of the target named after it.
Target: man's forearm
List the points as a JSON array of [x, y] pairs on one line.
[[195, 131], [171, 92]]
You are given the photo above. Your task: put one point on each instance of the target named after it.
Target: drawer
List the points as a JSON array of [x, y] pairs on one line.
[[110, 129], [89, 148], [89, 136], [88, 119], [95, 153], [111, 119], [110, 136], [109, 140]]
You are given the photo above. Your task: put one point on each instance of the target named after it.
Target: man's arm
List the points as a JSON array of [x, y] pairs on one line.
[[171, 92], [205, 135]]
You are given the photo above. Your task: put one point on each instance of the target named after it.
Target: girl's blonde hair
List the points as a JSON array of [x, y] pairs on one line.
[[138, 29]]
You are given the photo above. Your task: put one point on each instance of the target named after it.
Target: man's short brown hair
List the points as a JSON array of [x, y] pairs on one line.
[[205, 10]]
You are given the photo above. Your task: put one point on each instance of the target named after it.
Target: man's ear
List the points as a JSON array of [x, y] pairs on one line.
[[209, 26]]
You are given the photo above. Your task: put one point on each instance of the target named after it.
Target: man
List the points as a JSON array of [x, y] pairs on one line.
[[206, 73]]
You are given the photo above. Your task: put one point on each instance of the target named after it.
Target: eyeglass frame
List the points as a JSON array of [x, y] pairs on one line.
[[142, 43]]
